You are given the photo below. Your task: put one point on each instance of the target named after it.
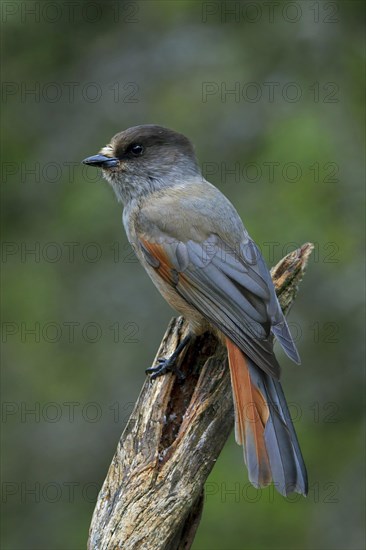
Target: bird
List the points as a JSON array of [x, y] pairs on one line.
[[192, 242]]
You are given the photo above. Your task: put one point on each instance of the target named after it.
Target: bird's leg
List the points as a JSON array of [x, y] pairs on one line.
[[168, 364]]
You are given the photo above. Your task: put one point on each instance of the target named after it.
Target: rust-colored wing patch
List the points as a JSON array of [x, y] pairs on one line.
[[157, 257]]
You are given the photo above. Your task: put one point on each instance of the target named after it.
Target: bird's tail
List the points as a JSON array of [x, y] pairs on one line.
[[264, 428]]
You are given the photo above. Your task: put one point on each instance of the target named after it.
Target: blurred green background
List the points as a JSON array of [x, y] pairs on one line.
[[271, 93]]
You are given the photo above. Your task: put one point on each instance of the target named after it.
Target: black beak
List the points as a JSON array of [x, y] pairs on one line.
[[101, 161]]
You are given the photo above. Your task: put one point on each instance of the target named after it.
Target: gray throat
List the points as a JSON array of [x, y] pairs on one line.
[[133, 187]]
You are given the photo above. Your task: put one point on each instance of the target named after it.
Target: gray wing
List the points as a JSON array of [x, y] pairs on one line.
[[231, 288]]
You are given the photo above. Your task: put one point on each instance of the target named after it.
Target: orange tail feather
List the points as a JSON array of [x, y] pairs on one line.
[[251, 415]]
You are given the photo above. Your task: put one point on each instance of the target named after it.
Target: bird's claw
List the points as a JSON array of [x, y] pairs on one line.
[[164, 366]]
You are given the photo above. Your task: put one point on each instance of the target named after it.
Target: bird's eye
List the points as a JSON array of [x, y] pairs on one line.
[[136, 149]]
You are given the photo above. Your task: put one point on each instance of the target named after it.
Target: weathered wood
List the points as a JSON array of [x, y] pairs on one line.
[[152, 496]]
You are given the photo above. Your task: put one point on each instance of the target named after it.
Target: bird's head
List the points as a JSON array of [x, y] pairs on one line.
[[144, 159]]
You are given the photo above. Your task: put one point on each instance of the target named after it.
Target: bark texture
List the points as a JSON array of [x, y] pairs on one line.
[[152, 497]]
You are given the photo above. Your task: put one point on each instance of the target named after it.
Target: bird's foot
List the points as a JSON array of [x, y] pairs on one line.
[[169, 364], [164, 366]]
